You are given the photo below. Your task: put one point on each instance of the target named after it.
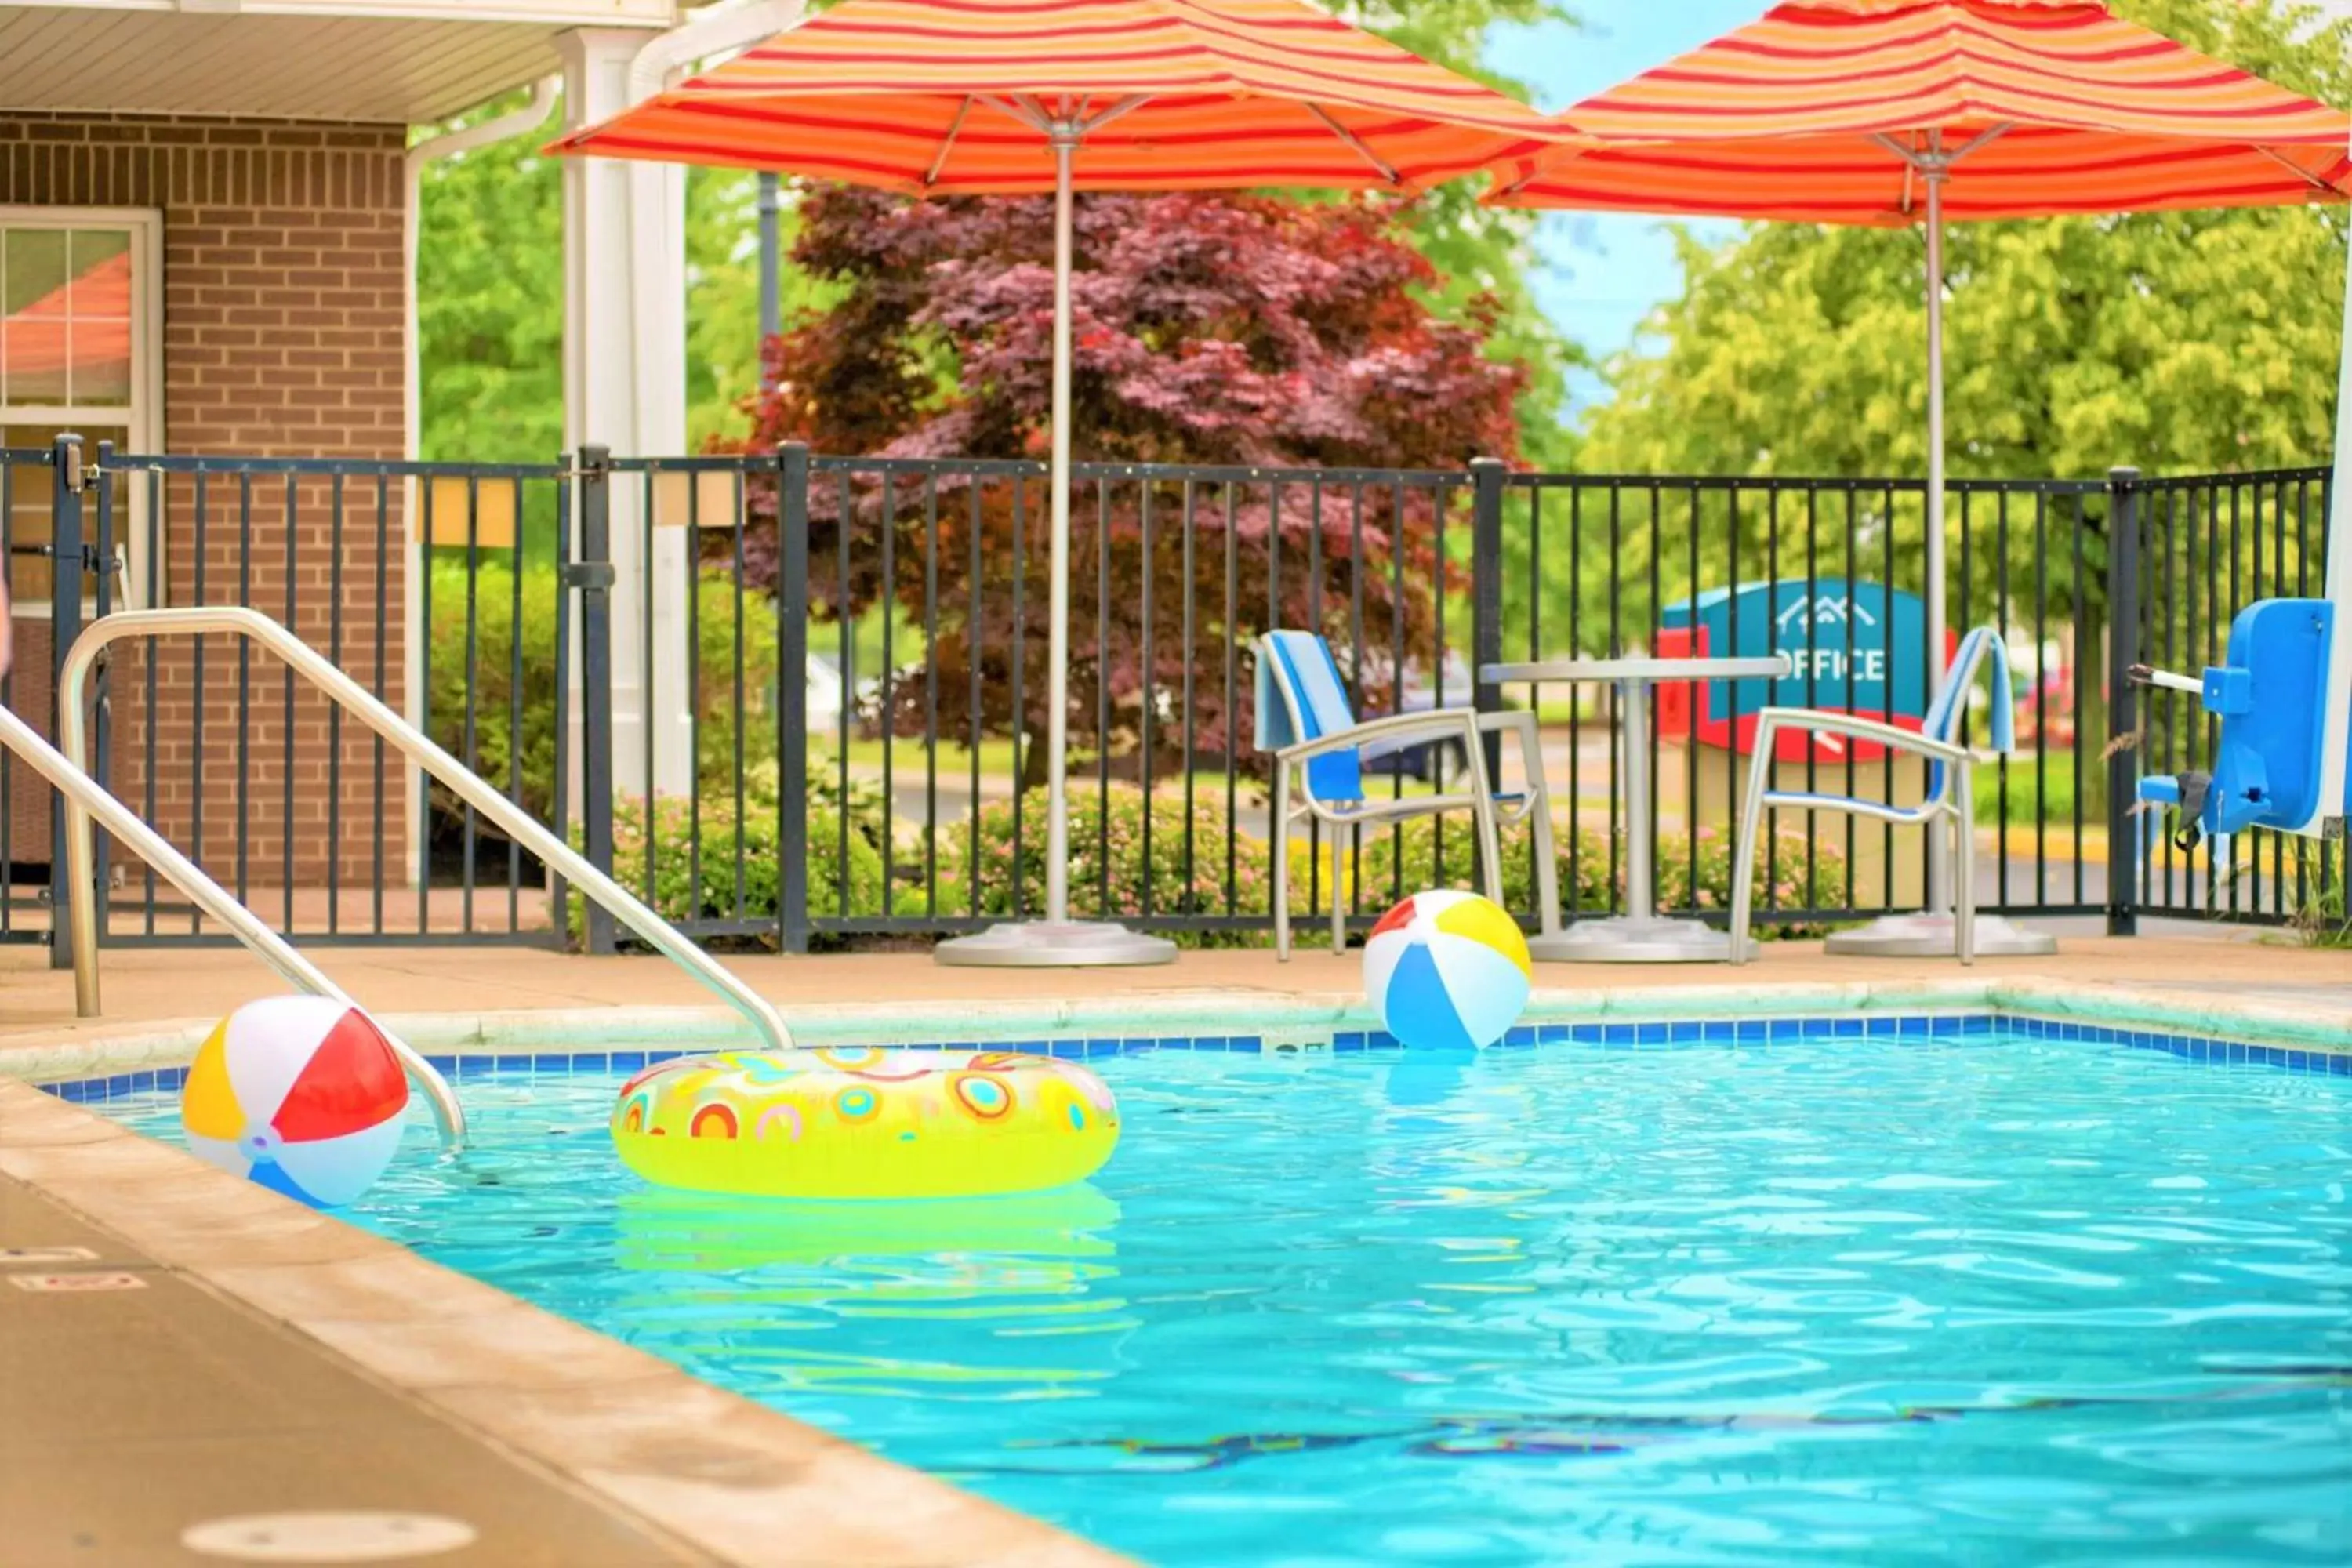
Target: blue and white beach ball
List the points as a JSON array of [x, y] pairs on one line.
[[1448, 970]]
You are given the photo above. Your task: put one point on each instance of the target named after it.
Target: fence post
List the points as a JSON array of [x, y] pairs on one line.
[[1487, 476], [2123, 699], [67, 483], [791, 696], [593, 575]]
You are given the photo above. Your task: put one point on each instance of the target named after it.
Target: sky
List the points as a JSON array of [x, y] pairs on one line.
[[1602, 272]]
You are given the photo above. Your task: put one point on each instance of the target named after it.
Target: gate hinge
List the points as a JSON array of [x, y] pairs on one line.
[[587, 574]]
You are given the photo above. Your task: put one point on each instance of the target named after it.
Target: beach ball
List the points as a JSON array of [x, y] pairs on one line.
[[1448, 970], [302, 1094]]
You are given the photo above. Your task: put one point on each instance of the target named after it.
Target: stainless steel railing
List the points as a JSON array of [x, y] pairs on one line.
[[87, 799], [356, 700]]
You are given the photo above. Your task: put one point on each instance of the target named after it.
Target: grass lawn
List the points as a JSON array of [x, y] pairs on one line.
[[2040, 789]]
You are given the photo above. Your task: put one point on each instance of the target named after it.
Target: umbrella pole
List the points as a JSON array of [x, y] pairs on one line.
[[1939, 879], [1932, 934], [1057, 633], [1057, 941]]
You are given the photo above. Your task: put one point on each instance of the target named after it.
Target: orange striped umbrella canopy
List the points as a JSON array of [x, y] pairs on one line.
[[1832, 111], [956, 95]]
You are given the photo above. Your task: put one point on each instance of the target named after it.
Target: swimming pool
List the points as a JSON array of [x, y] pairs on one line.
[[1960, 1293]]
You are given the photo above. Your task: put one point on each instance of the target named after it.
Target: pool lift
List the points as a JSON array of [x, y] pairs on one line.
[[2284, 697], [88, 804]]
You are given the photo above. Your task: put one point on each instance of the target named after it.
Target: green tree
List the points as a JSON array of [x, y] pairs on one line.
[[491, 299], [2197, 341]]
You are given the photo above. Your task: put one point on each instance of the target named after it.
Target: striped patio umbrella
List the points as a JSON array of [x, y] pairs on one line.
[[1894, 112], [1023, 97]]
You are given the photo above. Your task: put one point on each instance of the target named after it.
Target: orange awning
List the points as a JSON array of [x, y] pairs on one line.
[[1822, 112], [949, 96], [81, 323]]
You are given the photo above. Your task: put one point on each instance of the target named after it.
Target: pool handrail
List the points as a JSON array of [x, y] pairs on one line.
[[462, 781], [86, 798]]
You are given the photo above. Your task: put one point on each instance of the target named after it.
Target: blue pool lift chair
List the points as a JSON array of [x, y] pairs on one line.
[[1945, 806], [1305, 718]]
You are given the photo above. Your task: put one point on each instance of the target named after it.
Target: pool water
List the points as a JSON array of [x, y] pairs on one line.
[[1972, 1299]]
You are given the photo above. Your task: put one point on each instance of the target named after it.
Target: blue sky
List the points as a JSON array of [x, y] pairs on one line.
[[1602, 272]]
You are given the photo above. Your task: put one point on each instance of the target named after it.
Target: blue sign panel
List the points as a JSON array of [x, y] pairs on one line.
[[1856, 647]]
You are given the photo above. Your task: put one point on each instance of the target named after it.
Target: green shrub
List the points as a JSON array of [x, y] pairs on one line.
[[1586, 885], [1172, 892], [679, 895], [1785, 885], [492, 686]]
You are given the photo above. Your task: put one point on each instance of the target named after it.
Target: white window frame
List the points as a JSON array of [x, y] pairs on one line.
[[142, 418]]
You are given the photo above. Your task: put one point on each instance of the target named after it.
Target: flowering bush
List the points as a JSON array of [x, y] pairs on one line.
[[1799, 876]]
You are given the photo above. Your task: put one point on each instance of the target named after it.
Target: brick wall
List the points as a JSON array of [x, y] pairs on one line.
[[281, 335]]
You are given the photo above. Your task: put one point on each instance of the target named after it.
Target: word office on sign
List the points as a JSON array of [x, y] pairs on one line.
[[1853, 648]]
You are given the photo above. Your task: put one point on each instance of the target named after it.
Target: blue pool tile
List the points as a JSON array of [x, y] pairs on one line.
[[76, 1093], [1946, 1027], [1068, 1051], [1381, 1040], [552, 1061], [2339, 1064], [1590, 1033], [1249, 1044], [1523, 1034], [1652, 1033], [1912, 1028], [173, 1078], [1348, 1044], [1555, 1034], [1978, 1024], [1790, 1029], [1883, 1029], [1209, 1042], [1721, 1031], [2298, 1061], [1619, 1035], [626, 1061], [592, 1061], [1845, 1028], [1755, 1029]]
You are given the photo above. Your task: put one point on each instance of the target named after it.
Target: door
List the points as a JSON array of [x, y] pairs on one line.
[[79, 328]]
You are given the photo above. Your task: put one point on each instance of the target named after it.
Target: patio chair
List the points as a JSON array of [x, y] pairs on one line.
[[1304, 717], [1945, 802]]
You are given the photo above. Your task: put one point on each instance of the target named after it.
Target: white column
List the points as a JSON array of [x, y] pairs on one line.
[[625, 388]]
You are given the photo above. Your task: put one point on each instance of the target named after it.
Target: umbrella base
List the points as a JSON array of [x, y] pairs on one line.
[[1932, 936], [1042, 944]]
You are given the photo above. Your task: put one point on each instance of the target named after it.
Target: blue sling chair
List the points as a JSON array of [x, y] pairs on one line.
[[1304, 717], [1945, 805]]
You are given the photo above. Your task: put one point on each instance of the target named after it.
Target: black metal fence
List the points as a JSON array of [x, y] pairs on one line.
[[2207, 546], [840, 730]]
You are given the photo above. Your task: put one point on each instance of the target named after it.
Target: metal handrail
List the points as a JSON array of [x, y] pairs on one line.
[[461, 780], [85, 798]]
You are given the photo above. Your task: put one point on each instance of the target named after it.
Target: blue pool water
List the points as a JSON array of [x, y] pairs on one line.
[[1979, 1300]]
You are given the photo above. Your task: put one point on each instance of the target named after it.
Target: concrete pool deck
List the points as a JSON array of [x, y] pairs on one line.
[[150, 986], [217, 1351]]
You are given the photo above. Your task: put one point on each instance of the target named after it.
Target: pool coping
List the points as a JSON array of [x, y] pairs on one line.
[[723, 1473], [1286, 1022]]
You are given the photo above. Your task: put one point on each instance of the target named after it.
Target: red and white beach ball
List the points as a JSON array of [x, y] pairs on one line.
[[303, 1094]]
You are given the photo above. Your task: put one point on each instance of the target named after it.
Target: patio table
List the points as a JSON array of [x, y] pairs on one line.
[[1638, 936]]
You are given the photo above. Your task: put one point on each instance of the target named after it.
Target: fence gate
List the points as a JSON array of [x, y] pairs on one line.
[[2208, 547]]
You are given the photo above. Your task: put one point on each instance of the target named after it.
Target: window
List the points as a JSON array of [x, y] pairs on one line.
[[79, 330]]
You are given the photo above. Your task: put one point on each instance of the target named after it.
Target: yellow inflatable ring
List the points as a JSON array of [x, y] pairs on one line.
[[865, 1123]]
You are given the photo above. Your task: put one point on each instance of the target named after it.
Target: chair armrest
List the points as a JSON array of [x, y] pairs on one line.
[[1446, 724], [1887, 735]]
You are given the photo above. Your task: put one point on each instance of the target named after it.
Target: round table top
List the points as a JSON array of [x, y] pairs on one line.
[[1771, 667]]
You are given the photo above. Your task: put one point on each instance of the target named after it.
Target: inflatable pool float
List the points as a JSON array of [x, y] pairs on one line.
[[865, 1123]]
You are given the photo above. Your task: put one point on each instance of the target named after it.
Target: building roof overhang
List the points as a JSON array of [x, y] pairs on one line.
[[381, 61]]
